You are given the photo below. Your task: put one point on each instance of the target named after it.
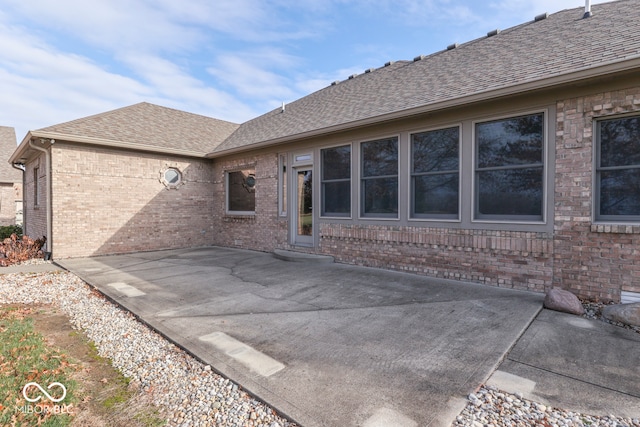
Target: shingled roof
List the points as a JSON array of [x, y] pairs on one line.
[[544, 52], [147, 127], [8, 174]]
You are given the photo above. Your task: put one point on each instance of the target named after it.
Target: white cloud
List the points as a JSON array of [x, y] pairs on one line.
[[174, 87], [114, 25], [70, 58]]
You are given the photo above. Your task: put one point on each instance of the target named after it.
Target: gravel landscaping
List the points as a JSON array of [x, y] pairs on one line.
[[491, 407], [188, 393]]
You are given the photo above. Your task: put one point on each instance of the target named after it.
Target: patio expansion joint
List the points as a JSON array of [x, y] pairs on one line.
[[551, 371]]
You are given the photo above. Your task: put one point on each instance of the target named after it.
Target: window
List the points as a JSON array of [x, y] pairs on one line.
[[171, 178], [379, 185], [336, 181], [35, 186], [241, 191], [282, 178], [509, 177], [618, 169], [435, 175]]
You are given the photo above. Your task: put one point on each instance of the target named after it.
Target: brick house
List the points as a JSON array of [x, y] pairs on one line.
[[10, 181], [512, 160]]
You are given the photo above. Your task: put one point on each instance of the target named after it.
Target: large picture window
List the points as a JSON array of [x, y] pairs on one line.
[[435, 175], [336, 181], [618, 169], [509, 180], [379, 185], [241, 191]]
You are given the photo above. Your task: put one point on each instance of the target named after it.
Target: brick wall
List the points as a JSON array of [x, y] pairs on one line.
[[113, 201], [7, 204], [592, 260], [264, 231], [36, 225], [519, 260]]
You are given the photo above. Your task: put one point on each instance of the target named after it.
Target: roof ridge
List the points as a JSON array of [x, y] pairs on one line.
[[120, 109]]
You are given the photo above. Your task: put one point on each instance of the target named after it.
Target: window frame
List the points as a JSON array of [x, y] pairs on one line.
[[412, 216], [335, 215], [283, 186], [597, 169], [361, 187], [36, 192], [545, 160], [227, 173], [171, 185]]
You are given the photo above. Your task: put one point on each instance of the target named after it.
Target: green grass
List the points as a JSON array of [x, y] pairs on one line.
[[150, 418], [120, 395], [24, 358], [8, 230]]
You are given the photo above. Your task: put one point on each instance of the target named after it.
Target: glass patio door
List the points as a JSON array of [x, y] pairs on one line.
[[304, 206]]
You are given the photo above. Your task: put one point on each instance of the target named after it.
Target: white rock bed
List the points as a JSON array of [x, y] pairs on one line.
[[188, 393], [489, 407], [185, 391]]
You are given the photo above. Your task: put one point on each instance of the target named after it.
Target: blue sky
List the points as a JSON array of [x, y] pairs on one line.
[[230, 59]]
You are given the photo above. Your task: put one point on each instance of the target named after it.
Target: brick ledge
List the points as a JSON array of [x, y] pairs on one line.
[[615, 228]]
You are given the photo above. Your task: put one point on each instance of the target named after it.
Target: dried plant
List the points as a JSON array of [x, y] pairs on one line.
[[16, 249]]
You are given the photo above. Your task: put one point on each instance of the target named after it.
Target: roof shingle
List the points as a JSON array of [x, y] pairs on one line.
[[563, 43], [148, 126]]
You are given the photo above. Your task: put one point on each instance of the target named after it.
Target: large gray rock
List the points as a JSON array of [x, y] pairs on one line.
[[628, 314], [565, 301]]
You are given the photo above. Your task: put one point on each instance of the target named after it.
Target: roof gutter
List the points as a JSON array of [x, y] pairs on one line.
[[99, 142], [486, 95], [49, 210]]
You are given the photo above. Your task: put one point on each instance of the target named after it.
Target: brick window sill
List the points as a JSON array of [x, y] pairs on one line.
[[238, 218], [615, 228]]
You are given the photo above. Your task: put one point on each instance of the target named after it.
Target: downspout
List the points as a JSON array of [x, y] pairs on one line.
[[21, 167], [47, 155]]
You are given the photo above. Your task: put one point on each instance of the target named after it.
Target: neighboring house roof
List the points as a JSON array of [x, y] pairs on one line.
[[8, 174], [542, 53], [146, 127]]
